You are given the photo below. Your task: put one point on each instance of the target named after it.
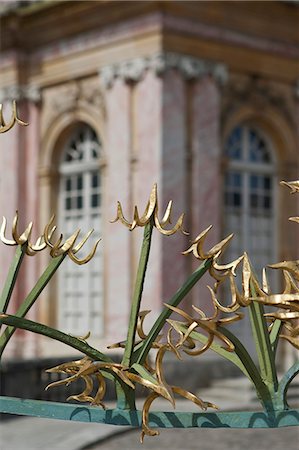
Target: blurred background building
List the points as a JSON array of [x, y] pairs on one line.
[[200, 97]]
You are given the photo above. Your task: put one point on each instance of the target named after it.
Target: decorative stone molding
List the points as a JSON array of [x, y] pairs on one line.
[[20, 92], [135, 69], [71, 97], [67, 96]]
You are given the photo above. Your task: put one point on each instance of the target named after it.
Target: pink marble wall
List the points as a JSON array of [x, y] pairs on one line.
[[147, 149], [19, 192], [206, 180], [174, 179], [116, 242]]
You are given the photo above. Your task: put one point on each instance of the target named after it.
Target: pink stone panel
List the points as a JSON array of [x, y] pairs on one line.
[[147, 132], [174, 179], [116, 239], [206, 181]]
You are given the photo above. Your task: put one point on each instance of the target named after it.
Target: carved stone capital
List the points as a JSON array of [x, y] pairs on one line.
[[190, 68], [20, 92]]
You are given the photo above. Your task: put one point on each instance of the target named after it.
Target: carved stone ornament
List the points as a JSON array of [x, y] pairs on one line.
[[135, 69], [20, 92], [68, 96]]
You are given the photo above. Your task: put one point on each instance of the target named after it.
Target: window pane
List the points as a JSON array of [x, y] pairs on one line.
[[80, 208], [68, 203], [79, 182], [95, 180], [80, 202], [95, 200], [68, 184]]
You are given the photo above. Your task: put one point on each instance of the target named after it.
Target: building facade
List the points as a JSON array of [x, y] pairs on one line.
[[200, 97]]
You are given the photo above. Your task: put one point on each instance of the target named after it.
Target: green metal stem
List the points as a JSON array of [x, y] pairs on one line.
[[57, 335], [231, 356], [32, 297], [263, 345], [285, 382], [12, 277], [262, 389], [142, 350], [136, 300], [274, 335]]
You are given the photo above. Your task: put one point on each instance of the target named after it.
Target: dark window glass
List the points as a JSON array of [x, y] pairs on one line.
[[68, 203], [79, 182], [79, 202]]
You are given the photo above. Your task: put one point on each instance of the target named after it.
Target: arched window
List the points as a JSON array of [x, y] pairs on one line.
[[249, 195], [249, 201], [80, 304]]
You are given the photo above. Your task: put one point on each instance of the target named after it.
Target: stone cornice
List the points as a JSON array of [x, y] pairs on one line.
[[20, 92], [190, 68]]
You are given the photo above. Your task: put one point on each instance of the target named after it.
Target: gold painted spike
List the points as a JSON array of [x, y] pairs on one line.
[[234, 306], [120, 216], [289, 315], [84, 396], [290, 284], [15, 114], [121, 344], [101, 390], [290, 266], [293, 185], [14, 119], [265, 283], [87, 258], [181, 312], [65, 381], [196, 245], [56, 246], [2, 234], [189, 396], [178, 226], [122, 375], [135, 219], [146, 430], [2, 122], [218, 248], [39, 245], [231, 267], [166, 391], [294, 219], [246, 275], [69, 243], [174, 346], [232, 319], [202, 314], [158, 388], [278, 299], [25, 236], [49, 231], [141, 317], [151, 206], [81, 243], [167, 215], [200, 350]]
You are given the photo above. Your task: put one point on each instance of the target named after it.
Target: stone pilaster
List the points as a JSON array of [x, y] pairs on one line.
[[18, 192]]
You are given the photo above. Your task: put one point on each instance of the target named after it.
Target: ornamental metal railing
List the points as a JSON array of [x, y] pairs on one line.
[[193, 334]]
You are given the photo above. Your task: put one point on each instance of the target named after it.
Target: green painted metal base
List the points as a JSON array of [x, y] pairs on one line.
[[169, 419]]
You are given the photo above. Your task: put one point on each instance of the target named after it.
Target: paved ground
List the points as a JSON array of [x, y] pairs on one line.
[[28, 433], [207, 439]]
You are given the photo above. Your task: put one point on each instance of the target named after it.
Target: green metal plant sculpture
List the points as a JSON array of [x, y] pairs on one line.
[[193, 335]]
